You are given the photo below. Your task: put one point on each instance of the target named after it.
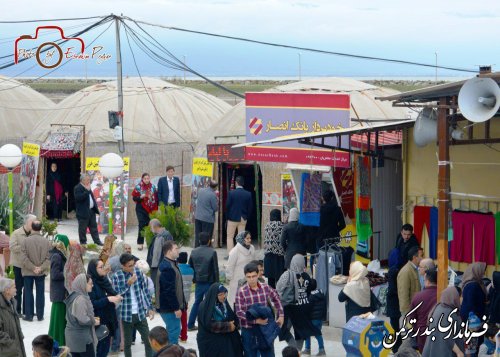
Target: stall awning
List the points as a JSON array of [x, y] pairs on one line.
[[386, 132], [61, 145]]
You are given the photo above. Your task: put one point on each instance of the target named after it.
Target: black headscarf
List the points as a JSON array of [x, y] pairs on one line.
[[208, 305], [101, 281], [275, 215], [494, 298]]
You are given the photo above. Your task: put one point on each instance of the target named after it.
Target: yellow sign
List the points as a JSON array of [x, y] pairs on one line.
[[92, 164], [31, 149], [202, 167], [286, 176]]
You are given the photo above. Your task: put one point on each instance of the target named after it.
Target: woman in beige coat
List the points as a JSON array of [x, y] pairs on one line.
[[242, 254], [11, 336]]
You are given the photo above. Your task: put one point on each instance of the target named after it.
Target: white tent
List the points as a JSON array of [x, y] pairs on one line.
[[163, 113], [21, 108]]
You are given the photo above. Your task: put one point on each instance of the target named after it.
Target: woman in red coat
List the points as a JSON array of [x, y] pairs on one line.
[[145, 195]]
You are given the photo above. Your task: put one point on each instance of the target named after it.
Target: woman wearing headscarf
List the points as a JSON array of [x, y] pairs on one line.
[[218, 334], [11, 336], [357, 293], [145, 196], [274, 255], [241, 254], [439, 343], [55, 191], [114, 259], [80, 328], [297, 313], [393, 311], [104, 299], [473, 291], [74, 265], [293, 239], [331, 218], [58, 258]]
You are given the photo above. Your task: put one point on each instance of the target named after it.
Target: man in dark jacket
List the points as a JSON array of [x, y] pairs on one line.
[[405, 241], [159, 340], [169, 189], [170, 300], [86, 210], [155, 248], [204, 262], [238, 209]]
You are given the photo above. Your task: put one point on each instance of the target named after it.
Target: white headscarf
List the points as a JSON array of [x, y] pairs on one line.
[[293, 216], [358, 288]]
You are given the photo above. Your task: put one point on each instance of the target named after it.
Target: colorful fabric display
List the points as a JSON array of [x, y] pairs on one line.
[[310, 198]]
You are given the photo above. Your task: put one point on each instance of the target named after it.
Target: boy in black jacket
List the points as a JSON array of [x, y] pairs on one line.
[[317, 300]]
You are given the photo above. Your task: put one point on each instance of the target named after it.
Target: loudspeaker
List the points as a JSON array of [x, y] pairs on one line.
[[425, 130], [479, 99]]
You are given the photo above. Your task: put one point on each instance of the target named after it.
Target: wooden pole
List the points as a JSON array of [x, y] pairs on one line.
[[443, 195]]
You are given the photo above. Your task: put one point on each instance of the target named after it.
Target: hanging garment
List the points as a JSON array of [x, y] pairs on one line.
[[497, 234], [433, 233], [461, 245], [484, 238], [310, 199], [421, 217], [328, 265]]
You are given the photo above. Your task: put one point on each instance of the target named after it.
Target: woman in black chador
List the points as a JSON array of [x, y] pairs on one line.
[[55, 192]]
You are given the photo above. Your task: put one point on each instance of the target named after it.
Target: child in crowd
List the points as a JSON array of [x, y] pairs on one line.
[[187, 278], [317, 300], [290, 351], [488, 346]]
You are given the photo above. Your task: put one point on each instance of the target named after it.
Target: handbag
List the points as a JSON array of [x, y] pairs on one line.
[[288, 296], [101, 332]]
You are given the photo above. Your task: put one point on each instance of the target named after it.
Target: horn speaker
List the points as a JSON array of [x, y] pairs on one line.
[[425, 130], [479, 99]]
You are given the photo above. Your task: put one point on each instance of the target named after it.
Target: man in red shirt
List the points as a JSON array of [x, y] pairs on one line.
[[252, 293], [428, 298]]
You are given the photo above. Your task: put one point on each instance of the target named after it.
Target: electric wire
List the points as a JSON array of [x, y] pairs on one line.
[[150, 99], [48, 20], [308, 49]]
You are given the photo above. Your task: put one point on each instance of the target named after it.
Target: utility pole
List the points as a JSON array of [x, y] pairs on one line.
[[121, 144], [184, 70], [436, 76]]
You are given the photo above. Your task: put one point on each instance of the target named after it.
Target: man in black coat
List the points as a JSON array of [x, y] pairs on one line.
[[169, 189], [86, 210], [405, 241], [238, 209]]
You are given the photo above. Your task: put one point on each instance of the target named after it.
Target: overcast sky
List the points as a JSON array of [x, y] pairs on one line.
[[464, 34]]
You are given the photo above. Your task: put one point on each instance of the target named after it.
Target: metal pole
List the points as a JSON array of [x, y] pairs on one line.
[[184, 68], [11, 206], [121, 144], [436, 75], [443, 196], [110, 211], [300, 67], [257, 201]]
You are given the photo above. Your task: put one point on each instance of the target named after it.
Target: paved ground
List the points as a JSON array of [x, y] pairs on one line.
[[332, 336]]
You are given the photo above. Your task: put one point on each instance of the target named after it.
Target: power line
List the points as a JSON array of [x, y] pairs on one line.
[[150, 99], [342, 54], [48, 20]]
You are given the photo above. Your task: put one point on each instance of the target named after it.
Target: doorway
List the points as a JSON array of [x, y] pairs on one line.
[[68, 170], [229, 174]]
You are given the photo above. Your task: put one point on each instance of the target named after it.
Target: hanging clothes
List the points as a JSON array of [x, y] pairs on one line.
[[497, 234], [461, 245], [433, 233], [421, 217], [484, 238], [310, 199]]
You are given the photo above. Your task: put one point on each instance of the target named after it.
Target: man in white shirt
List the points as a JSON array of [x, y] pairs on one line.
[[169, 189]]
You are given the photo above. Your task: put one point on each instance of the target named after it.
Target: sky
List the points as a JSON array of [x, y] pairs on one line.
[[460, 33]]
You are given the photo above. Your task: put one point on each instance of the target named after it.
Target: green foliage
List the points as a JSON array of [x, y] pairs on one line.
[[174, 221], [49, 227], [93, 247], [20, 207]]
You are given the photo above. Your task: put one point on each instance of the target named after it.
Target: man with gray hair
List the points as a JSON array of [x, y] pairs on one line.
[[86, 210], [425, 264], [155, 249], [16, 240], [204, 215]]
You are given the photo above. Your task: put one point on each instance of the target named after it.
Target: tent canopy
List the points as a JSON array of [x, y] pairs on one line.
[[178, 114]]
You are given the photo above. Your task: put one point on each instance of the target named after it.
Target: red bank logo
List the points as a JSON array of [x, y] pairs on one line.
[[255, 126], [50, 54]]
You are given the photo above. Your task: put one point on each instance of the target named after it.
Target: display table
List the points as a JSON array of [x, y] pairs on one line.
[[336, 309]]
